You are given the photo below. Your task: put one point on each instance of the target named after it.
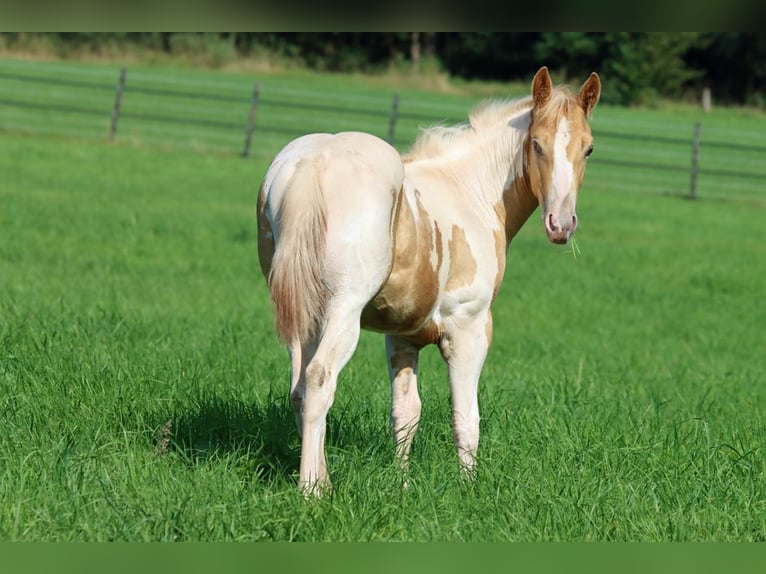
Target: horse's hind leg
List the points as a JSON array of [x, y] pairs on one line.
[[297, 381], [300, 355], [340, 335], [405, 401]]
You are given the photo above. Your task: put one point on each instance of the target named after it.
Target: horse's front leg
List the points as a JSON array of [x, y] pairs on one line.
[[465, 349]]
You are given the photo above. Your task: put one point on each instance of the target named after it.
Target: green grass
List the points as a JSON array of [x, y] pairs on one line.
[[143, 395]]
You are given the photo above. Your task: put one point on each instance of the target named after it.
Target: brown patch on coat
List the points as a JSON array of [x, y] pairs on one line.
[[438, 246], [402, 362], [517, 204], [513, 210], [462, 267], [402, 359], [430, 334], [405, 301]]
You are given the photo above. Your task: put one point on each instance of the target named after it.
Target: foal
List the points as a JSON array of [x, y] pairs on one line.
[[352, 235]]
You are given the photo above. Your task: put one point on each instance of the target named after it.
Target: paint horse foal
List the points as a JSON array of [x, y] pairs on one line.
[[351, 235]]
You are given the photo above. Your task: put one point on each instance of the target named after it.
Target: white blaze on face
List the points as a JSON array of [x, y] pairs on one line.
[[563, 171]]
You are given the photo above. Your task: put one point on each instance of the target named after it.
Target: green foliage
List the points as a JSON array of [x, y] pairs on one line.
[[489, 55], [207, 49], [642, 66], [734, 64], [572, 54], [638, 68]]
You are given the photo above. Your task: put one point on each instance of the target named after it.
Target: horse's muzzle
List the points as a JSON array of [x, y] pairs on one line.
[[557, 231]]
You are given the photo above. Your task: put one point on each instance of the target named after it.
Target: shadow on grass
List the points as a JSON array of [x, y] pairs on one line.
[[261, 437]]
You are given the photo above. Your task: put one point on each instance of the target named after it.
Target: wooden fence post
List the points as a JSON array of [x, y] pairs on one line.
[[394, 115], [251, 119], [117, 104], [695, 161]]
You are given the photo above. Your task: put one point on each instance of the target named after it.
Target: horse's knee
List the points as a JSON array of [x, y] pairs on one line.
[[317, 375]]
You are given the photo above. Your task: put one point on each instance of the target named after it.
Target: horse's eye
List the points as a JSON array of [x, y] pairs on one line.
[[589, 151], [537, 146]]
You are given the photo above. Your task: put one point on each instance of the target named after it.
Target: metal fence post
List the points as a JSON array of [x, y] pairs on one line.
[[394, 115], [695, 161], [251, 119], [117, 104]]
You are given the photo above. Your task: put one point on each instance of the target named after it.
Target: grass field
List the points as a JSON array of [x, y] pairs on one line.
[[143, 395]]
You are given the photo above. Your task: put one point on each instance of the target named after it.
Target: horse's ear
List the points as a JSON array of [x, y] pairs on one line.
[[590, 93], [541, 87]]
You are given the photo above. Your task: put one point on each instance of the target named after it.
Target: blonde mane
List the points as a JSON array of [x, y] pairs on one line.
[[436, 140], [487, 116]]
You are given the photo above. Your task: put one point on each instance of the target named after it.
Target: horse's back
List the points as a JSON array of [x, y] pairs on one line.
[[347, 165], [364, 157]]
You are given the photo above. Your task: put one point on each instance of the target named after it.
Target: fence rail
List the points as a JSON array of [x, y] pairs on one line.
[[51, 107], [135, 109]]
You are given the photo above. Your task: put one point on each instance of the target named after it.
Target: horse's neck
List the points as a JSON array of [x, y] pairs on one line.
[[484, 168], [518, 204], [515, 202], [491, 172]]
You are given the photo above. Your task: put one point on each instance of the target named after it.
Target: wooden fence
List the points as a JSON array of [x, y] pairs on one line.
[[248, 127], [140, 108]]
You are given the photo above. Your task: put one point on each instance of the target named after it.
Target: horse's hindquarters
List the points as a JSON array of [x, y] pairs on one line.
[[360, 177], [325, 226]]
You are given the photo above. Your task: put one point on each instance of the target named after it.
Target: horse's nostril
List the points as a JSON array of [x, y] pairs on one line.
[[552, 223]]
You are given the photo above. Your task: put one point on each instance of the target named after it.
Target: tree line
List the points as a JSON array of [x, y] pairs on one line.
[[638, 67]]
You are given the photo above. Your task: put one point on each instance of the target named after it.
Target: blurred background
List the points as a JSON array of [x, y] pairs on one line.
[[641, 66]]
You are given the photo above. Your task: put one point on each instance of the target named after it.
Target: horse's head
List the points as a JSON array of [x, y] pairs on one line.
[[557, 148]]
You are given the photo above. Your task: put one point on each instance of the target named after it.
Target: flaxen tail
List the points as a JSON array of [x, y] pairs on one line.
[[296, 282]]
